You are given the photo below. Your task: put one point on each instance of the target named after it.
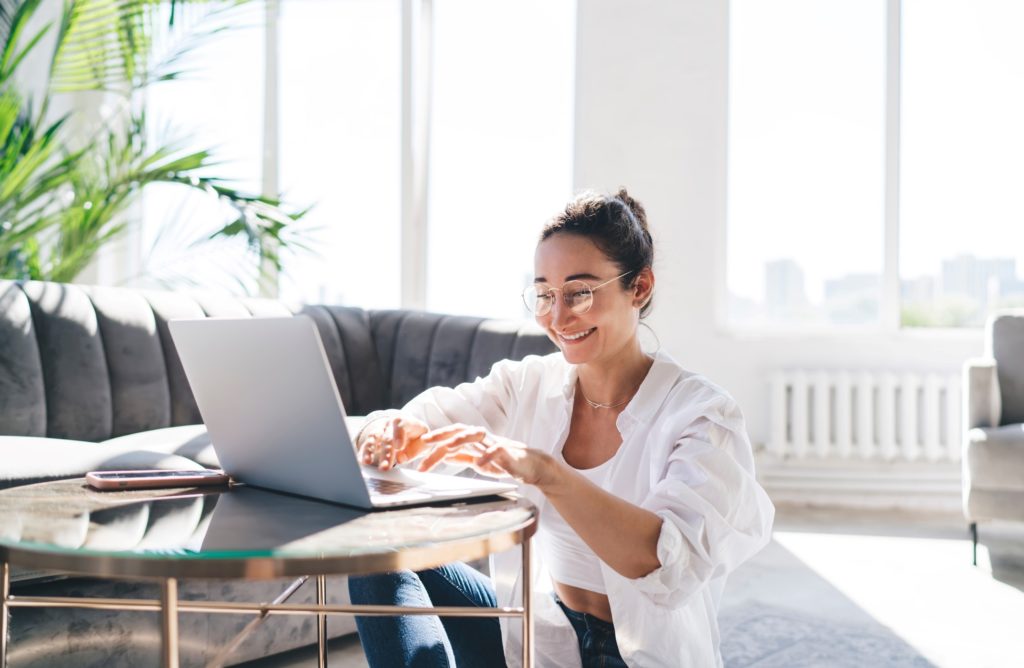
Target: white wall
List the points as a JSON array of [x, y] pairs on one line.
[[651, 102]]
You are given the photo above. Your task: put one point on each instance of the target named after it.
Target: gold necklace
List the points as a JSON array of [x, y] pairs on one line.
[[597, 404]]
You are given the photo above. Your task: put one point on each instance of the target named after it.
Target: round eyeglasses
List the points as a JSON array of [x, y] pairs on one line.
[[577, 295]]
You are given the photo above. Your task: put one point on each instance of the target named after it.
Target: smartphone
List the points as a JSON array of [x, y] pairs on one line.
[[154, 478]]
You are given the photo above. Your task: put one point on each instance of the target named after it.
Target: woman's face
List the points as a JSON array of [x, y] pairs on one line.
[[609, 327]]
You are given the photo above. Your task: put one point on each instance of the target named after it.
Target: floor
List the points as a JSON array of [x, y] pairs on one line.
[[843, 588]]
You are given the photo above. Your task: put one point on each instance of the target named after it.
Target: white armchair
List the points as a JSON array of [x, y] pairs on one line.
[[993, 457]]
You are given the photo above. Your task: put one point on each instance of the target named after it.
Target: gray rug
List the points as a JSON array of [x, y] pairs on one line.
[[758, 636]]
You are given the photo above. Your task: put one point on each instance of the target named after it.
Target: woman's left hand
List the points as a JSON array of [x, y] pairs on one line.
[[489, 454]]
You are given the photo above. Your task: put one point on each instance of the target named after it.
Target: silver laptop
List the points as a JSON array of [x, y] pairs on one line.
[[275, 418]]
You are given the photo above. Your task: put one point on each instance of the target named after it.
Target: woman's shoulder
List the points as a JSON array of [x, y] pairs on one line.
[[681, 378], [691, 395]]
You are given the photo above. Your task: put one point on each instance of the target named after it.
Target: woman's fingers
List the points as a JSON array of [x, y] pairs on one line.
[[366, 451], [470, 442], [391, 441], [400, 439], [451, 431]]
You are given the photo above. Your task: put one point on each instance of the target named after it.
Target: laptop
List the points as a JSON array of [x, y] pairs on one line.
[[266, 393]]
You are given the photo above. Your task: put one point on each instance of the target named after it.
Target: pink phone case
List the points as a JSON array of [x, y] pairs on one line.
[[112, 480]]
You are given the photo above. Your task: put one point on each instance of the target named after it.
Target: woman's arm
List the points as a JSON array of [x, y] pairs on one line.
[[706, 515], [622, 535]]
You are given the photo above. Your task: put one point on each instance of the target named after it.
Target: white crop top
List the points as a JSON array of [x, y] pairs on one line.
[[569, 560]]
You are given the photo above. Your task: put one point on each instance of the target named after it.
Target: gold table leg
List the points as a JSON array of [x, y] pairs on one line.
[[5, 592], [169, 622], [321, 621], [527, 607]]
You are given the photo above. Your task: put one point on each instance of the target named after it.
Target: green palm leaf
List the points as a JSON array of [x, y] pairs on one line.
[[59, 207]]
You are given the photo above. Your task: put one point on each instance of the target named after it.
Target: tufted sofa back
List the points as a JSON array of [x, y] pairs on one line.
[[92, 363]]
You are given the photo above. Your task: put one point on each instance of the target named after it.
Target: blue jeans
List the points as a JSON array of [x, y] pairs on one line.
[[428, 641], [596, 637], [422, 640]]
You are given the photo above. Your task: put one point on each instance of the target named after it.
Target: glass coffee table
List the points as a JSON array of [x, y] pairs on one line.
[[246, 533]]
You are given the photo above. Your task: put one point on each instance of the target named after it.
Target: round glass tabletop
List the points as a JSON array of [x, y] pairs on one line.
[[241, 531]]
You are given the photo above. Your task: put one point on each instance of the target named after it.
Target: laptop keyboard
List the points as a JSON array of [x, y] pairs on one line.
[[381, 486]]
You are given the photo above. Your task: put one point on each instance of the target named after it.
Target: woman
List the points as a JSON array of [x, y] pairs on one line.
[[642, 472]]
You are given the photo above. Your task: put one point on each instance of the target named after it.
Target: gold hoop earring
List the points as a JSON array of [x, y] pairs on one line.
[[657, 340]]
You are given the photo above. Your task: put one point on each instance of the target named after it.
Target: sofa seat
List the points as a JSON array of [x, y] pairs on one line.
[[30, 459], [190, 441]]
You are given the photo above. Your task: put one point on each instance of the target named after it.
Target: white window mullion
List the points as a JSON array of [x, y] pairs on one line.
[[417, 69], [890, 307], [270, 183]]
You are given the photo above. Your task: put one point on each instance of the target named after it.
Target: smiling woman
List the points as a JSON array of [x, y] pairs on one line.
[[642, 473]]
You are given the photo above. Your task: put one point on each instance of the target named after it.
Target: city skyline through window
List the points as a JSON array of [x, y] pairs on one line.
[[805, 238]]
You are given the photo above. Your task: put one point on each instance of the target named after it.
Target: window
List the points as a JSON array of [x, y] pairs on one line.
[[500, 136], [962, 171], [337, 148], [219, 106], [810, 162], [500, 147], [806, 158], [340, 129]]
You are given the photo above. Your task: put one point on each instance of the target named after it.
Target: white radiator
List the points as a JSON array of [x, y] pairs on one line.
[[880, 416]]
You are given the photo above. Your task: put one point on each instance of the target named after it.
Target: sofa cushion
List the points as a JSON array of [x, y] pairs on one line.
[[167, 306], [78, 401], [139, 389], [22, 393], [31, 459], [995, 457], [191, 441]]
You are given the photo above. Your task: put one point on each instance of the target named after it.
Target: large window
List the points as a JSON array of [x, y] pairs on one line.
[[828, 177], [339, 146], [334, 85], [218, 106], [501, 147], [498, 127], [962, 176]]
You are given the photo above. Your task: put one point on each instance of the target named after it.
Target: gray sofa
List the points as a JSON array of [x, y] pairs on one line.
[[993, 457], [89, 379]]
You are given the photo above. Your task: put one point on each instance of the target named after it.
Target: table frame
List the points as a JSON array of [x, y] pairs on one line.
[[169, 606]]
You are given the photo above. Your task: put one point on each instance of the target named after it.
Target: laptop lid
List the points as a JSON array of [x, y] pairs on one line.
[[276, 420]]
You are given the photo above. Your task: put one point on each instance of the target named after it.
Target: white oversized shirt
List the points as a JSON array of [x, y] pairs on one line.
[[685, 456]]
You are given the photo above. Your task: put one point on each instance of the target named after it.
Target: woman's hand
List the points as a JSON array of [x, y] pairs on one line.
[[489, 454], [391, 441]]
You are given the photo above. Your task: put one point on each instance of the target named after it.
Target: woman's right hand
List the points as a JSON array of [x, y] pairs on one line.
[[391, 441]]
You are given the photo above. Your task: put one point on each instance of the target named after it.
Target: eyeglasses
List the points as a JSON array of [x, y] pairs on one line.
[[577, 295]]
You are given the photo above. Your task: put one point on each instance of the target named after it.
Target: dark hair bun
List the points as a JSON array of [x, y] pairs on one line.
[[635, 207]]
